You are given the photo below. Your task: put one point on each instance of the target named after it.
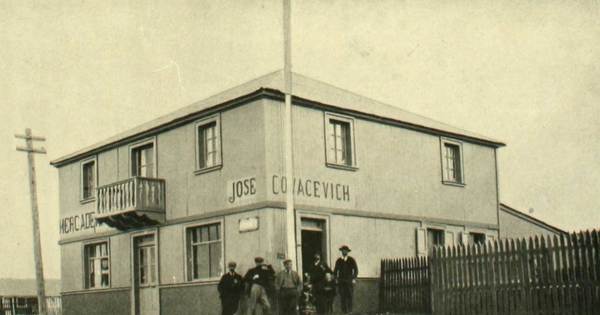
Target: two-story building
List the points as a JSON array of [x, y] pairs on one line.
[[150, 217]]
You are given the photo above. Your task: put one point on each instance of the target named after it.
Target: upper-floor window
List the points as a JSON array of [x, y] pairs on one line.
[[208, 143], [143, 159], [204, 251], [452, 162], [88, 179], [97, 268], [340, 141]]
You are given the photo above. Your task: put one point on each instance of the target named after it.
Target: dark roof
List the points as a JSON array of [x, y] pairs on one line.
[[303, 88], [531, 219], [27, 287]]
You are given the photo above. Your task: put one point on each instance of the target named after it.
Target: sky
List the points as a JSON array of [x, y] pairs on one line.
[[524, 72]]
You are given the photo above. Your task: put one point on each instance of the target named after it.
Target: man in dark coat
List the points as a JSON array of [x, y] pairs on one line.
[[346, 271], [318, 270], [317, 273], [258, 280], [230, 290]]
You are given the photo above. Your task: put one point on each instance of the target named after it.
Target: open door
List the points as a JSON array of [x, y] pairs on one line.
[[314, 240]]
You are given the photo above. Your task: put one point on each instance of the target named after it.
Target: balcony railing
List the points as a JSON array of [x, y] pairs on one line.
[[133, 202]]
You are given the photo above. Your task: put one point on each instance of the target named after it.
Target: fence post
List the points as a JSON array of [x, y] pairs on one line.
[[381, 286], [588, 258], [595, 246], [434, 280]]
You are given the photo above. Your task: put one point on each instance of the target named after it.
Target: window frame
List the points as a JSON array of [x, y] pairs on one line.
[[137, 145], [85, 259], [329, 160], [21, 302], [471, 238], [82, 163], [216, 119], [435, 229], [188, 276], [444, 163]]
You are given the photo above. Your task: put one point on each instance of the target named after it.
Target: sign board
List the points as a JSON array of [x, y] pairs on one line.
[[249, 224]]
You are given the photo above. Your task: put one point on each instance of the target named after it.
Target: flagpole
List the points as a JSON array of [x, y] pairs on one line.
[[289, 161]]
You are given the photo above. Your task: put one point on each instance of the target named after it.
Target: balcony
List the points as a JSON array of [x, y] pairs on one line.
[[131, 203]]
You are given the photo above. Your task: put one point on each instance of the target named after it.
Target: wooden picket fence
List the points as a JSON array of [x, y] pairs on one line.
[[540, 275], [405, 285]]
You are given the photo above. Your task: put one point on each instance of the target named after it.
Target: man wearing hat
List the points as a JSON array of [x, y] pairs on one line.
[[289, 286], [230, 290], [258, 280], [346, 271]]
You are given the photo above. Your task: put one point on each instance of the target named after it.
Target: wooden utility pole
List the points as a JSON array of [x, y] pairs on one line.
[[37, 247], [289, 160]]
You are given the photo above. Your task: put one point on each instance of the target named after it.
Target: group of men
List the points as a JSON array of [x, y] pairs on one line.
[[261, 284]]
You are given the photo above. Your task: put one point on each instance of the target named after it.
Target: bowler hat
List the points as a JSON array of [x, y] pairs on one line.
[[287, 261], [258, 259], [345, 247], [231, 264]]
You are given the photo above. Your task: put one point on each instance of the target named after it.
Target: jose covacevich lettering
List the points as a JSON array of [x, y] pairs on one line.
[[312, 188]]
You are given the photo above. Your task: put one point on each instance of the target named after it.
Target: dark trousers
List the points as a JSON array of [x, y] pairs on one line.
[[229, 305], [346, 294], [324, 305], [288, 301]]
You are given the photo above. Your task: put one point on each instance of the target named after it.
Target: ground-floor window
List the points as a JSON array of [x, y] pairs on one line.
[[204, 251], [476, 238], [6, 303], [97, 268], [435, 237]]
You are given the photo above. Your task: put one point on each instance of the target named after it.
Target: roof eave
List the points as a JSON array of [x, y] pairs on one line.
[[263, 92], [537, 221]]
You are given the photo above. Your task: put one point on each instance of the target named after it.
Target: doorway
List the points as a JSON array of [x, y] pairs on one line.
[[145, 278], [313, 240]]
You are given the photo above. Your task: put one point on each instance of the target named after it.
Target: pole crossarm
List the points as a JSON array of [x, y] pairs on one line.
[[26, 137], [32, 150]]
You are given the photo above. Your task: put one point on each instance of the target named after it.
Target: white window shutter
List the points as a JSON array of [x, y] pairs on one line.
[[329, 141], [218, 142], [421, 234], [449, 238], [464, 238]]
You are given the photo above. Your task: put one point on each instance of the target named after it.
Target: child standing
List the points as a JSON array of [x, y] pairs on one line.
[[328, 294]]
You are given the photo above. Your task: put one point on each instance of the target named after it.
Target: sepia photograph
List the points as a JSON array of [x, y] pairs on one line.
[[286, 157]]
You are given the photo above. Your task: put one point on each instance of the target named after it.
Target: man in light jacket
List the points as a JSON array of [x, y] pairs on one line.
[[289, 286]]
